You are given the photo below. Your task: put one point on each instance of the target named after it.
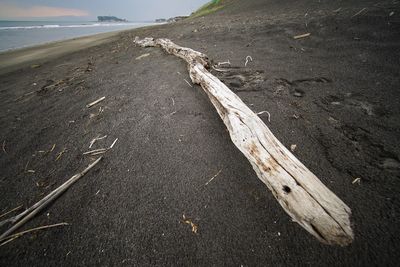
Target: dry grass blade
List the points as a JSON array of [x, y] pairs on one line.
[[212, 178], [17, 235], [8, 212]]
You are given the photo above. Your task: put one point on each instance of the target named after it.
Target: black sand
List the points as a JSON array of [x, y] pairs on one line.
[[334, 94]]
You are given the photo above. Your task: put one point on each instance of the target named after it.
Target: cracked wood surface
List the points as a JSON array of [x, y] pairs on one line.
[[301, 194]]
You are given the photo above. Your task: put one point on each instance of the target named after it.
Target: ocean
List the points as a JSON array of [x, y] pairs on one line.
[[17, 34]]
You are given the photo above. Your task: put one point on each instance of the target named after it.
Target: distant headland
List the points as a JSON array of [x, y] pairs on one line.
[[109, 19]]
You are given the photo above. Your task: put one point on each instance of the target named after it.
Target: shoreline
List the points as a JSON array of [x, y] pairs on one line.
[[14, 59]]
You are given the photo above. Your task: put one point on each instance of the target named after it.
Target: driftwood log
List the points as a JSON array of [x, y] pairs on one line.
[[301, 194]]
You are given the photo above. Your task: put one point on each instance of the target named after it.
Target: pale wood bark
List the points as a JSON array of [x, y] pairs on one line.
[[301, 194]]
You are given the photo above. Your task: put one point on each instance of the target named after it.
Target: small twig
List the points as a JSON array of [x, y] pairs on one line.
[[264, 111], [60, 154], [188, 83], [96, 139], [359, 12], [28, 214], [337, 10], [17, 235], [142, 56], [173, 101], [8, 241], [212, 178], [220, 70], [95, 151], [8, 212], [302, 36], [247, 60], [95, 102], [26, 165], [4, 147], [224, 63], [52, 148], [100, 150], [99, 153], [112, 145], [357, 180]]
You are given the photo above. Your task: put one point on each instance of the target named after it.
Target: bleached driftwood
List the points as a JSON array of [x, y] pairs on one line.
[[301, 194]]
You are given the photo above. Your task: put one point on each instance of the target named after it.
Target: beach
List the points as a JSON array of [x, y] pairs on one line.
[[330, 95]]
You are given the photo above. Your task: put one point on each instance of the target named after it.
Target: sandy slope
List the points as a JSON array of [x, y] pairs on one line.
[[334, 94]]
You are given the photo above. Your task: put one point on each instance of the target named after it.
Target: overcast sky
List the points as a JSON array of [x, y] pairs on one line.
[[133, 10]]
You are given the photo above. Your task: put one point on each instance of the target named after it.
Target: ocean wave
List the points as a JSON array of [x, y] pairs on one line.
[[51, 26]]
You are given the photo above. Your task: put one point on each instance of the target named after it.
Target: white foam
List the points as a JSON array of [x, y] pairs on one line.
[[51, 26]]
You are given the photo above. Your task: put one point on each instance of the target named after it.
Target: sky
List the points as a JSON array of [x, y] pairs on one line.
[[132, 10]]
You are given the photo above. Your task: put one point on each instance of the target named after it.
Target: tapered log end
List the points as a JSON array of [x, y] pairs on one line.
[[331, 231]]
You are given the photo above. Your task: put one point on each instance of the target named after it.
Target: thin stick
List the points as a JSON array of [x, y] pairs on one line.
[[302, 36], [14, 236], [95, 151], [60, 154], [220, 70], [8, 241], [26, 165], [359, 12], [264, 111], [188, 83], [52, 148], [4, 146], [96, 139], [112, 145], [35, 209], [224, 63], [95, 102], [173, 101], [247, 60], [8, 212], [212, 178], [92, 142], [98, 153]]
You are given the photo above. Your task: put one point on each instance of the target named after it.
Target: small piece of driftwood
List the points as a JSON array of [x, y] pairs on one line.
[[95, 102], [28, 214], [302, 36], [301, 194]]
